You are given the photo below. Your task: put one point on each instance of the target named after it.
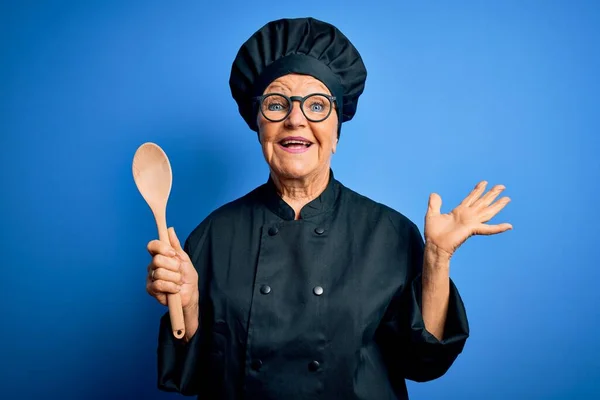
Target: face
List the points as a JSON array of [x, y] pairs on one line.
[[292, 160]]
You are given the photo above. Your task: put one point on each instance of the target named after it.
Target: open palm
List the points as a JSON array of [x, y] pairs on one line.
[[449, 231]]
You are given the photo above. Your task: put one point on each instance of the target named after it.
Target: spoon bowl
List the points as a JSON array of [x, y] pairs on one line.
[[153, 177]]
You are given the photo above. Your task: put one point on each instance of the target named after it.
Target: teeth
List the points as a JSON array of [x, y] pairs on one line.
[[289, 142]]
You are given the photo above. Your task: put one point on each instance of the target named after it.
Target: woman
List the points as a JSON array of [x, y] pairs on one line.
[[303, 288]]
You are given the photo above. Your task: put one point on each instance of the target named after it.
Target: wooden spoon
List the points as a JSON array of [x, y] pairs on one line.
[[153, 177]]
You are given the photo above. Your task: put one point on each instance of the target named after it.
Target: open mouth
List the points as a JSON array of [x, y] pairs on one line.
[[295, 143]]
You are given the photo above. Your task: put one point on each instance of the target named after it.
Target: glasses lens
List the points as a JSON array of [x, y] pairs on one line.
[[275, 107], [317, 107]]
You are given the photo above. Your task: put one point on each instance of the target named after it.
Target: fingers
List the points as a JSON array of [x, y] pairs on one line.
[[494, 209], [164, 287], [171, 249], [174, 240], [157, 247], [161, 281], [161, 274], [475, 194], [160, 289], [492, 229], [489, 197], [435, 204], [164, 275], [177, 245], [162, 299], [160, 261], [151, 289]]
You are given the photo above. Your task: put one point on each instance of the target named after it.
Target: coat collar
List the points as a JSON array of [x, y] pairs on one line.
[[323, 203]]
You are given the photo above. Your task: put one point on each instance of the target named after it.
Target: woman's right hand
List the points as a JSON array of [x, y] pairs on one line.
[[172, 271]]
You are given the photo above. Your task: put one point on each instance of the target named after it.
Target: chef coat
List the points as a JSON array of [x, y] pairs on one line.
[[324, 307]]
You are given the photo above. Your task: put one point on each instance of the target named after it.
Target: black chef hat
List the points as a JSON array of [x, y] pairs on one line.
[[302, 45]]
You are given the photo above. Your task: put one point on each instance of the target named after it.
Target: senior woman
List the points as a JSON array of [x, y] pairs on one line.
[[304, 288]]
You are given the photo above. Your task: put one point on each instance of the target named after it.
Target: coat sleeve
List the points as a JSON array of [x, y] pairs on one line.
[[181, 365], [411, 352]]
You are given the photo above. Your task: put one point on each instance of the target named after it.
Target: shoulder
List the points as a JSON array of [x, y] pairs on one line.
[[225, 215], [237, 207], [364, 207]]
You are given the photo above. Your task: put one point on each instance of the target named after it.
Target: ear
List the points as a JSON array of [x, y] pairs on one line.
[[258, 129], [335, 142]]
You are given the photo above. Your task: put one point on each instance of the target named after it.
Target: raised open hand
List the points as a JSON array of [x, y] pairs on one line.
[[449, 231]]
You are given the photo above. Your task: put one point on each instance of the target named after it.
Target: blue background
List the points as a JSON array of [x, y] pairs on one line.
[[457, 92]]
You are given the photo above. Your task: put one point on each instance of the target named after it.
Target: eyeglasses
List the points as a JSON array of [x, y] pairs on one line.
[[276, 107]]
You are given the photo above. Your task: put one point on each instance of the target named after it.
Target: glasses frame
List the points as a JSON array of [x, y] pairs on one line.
[[291, 99]]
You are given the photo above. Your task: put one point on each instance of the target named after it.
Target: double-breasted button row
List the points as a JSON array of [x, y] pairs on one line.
[[257, 364], [266, 289], [274, 231]]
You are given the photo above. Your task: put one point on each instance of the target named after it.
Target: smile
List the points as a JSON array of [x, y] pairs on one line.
[[295, 144]]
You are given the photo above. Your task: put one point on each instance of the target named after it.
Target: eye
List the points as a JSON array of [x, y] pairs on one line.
[[275, 103], [275, 107], [316, 105]]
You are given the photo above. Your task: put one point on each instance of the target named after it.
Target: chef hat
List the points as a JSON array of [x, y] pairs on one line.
[[304, 46]]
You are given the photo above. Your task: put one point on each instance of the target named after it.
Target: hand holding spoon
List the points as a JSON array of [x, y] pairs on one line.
[[153, 178]]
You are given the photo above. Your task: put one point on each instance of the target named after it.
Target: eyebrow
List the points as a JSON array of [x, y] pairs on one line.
[[270, 89], [277, 86]]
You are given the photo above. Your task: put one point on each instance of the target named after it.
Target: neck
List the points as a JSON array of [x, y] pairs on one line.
[[299, 192]]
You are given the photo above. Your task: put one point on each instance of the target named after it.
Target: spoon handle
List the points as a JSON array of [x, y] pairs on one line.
[[173, 300]]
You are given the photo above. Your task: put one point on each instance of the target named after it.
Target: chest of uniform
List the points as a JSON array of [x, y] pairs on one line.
[[304, 276]]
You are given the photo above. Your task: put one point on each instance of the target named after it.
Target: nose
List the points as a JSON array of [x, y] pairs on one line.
[[296, 118]]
